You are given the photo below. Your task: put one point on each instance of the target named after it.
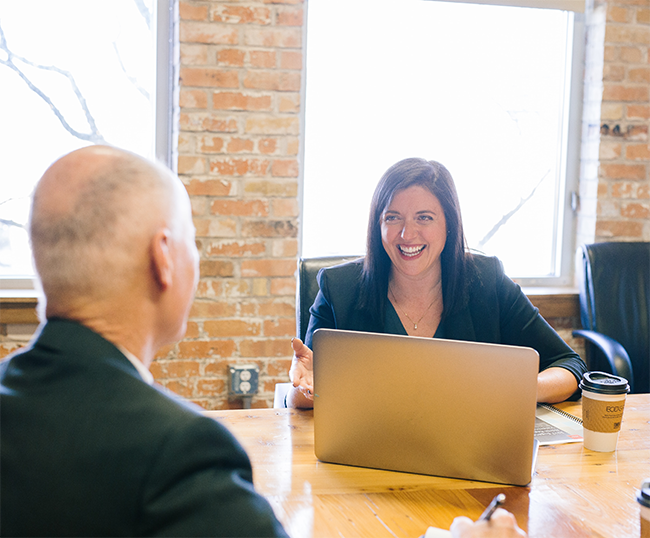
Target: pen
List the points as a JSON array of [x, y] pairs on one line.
[[496, 502]]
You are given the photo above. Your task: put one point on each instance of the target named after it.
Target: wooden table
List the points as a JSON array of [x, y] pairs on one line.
[[574, 493]]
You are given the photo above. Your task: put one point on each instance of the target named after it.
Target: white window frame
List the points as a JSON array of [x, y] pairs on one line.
[[570, 173]]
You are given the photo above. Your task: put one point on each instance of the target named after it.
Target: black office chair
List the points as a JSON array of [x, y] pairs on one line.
[[306, 292], [308, 287], [614, 280]]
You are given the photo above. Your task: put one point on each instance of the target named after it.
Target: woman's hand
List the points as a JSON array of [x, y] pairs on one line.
[[301, 375], [501, 525]]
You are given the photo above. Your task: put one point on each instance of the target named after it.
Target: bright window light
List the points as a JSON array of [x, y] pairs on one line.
[[485, 90]]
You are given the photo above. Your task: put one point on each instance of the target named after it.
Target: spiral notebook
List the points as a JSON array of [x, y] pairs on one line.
[[425, 405]]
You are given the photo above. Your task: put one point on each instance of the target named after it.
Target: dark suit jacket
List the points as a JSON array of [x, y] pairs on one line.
[[88, 449], [497, 311]]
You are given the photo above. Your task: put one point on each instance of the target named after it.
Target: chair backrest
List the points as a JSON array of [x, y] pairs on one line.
[[308, 287], [615, 299]]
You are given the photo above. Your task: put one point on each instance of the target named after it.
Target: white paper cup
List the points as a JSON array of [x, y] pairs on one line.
[[644, 502], [603, 403]]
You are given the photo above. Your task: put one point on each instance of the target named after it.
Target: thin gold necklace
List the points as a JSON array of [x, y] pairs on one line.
[[415, 323]]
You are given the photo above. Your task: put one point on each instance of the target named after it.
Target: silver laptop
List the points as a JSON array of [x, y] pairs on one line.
[[424, 405]]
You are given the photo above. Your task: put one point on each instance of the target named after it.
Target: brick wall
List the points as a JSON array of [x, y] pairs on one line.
[[240, 80], [624, 187]]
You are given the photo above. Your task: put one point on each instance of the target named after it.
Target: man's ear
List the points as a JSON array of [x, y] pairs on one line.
[[161, 260]]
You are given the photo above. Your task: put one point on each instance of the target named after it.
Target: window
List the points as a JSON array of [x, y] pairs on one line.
[[74, 73], [492, 92]]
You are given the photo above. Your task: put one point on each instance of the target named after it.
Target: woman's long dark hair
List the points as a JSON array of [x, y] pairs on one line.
[[434, 177]]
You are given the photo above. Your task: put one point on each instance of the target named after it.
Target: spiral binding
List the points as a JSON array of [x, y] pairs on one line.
[[560, 412]]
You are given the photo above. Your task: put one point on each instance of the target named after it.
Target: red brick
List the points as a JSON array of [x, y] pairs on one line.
[[182, 388], [279, 367], [203, 350], [280, 327], [192, 54], [210, 387], [192, 12], [240, 145], [293, 146], [613, 72], [241, 15], [619, 228], [643, 192], [628, 33], [192, 330], [210, 144], [641, 74], [205, 32], [210, 187], [623, 171], [272, 80], [269, 228], [289, 103], [240, 101], [231, 57], [239, 167], [617, 14], [638, 112], [290, 59], [212, 309], [290, 17], [618, 92], [635, 211], [257, 268], [248, 208], [643, 16], [191, 165], [267, 145], [193, 99], [636, 132], [284, 248], [266, 125], [285, 207], [273, 37], [285, 168], [209, 288], [236, 288], [231, 328], [207, 77], [218, 368], [216, 268], [276, 307], [207, 122], [622, 189], [271, 188], [631, 55], [236, 249], [638, 152], [268, 347], [178, 368], [263, 58], [283, 286]]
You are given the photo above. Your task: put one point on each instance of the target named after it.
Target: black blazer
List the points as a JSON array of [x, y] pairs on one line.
[[497, 311], [89, 449]]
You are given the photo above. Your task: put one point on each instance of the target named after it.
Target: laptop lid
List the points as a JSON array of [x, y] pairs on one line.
[[424, 405]]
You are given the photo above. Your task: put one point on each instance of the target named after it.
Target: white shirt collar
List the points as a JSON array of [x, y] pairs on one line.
[[141, 368]]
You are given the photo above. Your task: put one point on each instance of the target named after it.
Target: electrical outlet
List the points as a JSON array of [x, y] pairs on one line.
[[244, 379]]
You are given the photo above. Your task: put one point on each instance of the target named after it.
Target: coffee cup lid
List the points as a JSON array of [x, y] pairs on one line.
[[644, 494], [604, 383]]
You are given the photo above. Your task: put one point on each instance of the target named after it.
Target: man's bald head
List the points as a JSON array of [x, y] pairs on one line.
[[93, 214]]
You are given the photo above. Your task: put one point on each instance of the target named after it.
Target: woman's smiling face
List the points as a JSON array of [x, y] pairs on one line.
[[414, 231]]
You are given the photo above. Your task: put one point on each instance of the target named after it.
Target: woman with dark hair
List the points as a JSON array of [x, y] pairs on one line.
[[418, 278]]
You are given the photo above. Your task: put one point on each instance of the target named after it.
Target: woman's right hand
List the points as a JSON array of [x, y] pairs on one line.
[[302, 372]]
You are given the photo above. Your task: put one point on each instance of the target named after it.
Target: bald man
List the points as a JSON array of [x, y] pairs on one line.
[[89, 446]]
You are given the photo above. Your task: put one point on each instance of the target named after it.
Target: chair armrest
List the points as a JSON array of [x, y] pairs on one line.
[[614, 353]]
